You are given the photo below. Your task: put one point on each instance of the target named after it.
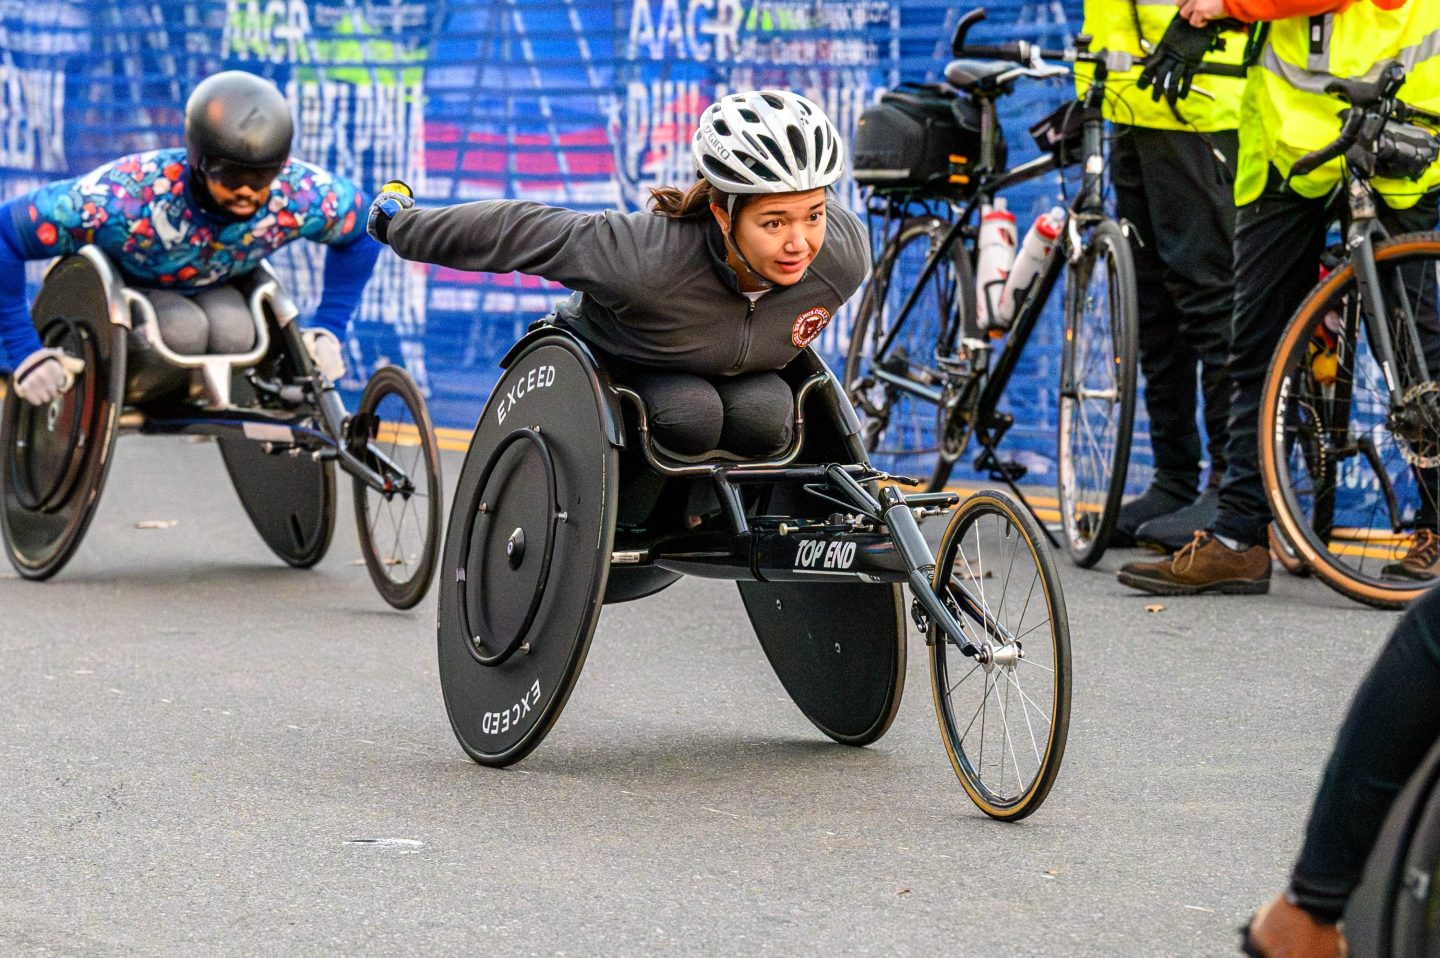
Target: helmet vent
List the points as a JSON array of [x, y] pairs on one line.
[[757, 167], [773, 149], [797, 145]]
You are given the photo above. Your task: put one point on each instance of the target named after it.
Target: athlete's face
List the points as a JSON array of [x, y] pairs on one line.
[[780, 234], [240, 191], [241, 200]]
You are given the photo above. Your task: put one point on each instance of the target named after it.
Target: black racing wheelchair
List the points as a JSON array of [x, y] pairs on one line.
[[566, 502], [281, 428]]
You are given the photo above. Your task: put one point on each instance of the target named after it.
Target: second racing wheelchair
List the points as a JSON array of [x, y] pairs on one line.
[[281, 428], [566, 502]]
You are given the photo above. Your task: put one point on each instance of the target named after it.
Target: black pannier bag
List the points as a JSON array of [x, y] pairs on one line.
[[921, 136]]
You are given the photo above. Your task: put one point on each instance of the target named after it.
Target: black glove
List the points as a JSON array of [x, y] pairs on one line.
[[394, 197], [1171, 68]]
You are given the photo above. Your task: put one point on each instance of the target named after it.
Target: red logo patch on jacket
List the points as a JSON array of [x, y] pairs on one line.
[[808, 325]]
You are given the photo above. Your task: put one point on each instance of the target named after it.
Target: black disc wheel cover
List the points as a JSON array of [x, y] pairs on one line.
[[524, 568], [56, 437], [56, 457]]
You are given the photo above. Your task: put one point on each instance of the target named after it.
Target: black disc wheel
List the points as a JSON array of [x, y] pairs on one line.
[[1004, 715], [897, 367], [56, 456], [399, 526], [1097, 391], [527, 553], [1350, 453]]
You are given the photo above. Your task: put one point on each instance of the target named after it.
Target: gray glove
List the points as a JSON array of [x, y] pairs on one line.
[[326, 353], [45, 374]]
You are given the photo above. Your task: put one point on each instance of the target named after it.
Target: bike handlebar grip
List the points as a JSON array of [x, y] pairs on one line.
[[1349, 133], [1312, 161], [1017, 51], [397, 186]]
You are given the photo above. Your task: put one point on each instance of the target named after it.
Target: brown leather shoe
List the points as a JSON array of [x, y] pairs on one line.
[[1421, 562], [1204, 564]]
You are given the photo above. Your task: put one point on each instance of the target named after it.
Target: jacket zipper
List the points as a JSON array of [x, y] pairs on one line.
[[744, 338]]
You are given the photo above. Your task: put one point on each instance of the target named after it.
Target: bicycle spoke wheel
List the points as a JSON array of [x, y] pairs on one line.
[[399, 528], [1352, 466], [1097, 391], [1004, 720], [898, 389]]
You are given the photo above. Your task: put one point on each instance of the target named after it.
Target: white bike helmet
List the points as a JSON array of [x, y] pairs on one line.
[[767, 141]]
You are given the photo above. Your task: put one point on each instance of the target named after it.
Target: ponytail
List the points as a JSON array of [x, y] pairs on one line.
[[670, 202]]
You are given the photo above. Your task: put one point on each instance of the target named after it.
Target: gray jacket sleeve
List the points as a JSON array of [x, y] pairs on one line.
[[594, 253]]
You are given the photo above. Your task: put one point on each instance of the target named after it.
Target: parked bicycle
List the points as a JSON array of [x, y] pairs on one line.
[[920, 368], [1350, 416]]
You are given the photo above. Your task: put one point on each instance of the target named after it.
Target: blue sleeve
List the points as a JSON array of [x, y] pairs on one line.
[[17, 332], [347, 270]]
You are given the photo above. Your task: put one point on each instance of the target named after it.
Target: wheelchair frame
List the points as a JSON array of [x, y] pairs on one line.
[[307, 420], [511, 649]]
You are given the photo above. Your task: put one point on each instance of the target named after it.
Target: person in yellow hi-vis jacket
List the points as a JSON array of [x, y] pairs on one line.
[[1280, 234], [1172, 165]]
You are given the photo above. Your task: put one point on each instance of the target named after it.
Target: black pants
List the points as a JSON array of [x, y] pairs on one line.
[[1393, 722], [1178, 197], [1278, 241], [749, 415]]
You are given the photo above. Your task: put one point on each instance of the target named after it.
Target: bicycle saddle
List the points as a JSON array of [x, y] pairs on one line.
[[975, 76]]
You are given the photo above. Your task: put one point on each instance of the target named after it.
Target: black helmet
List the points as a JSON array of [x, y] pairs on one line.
[[238, 123]]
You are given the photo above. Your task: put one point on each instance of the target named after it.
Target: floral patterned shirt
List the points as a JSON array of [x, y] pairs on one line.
[[139, 210]]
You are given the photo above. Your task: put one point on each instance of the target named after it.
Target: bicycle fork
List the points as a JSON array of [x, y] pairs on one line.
[[927, 606]]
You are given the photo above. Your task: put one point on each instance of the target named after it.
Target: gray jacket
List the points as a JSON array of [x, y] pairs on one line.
[[649, 289]]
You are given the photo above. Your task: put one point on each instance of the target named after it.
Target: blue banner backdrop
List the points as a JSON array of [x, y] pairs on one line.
[[582, 103]]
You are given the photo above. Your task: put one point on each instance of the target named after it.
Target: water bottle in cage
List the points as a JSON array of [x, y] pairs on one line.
[[995, 257], [1034, 251]]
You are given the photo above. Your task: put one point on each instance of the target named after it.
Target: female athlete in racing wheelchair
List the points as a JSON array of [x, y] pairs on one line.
[[596, 472], [200, 339]]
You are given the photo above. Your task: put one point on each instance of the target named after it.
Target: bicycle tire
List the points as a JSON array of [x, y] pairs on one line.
[[899, 430], [1091, 486], [1047, 655], [1318, 508], [404, 422]]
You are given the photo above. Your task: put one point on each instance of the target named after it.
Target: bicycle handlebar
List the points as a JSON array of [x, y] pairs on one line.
[[1372, 107], [1027, 53], [1349, 134]]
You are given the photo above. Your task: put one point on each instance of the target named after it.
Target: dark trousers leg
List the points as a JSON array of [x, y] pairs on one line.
[[684, 409], [759, 413], [1176, 193], [748, 415], [1278, 241], [1391, 725]]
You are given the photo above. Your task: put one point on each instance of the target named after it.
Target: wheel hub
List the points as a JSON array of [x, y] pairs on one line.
[[1417, 424], [515, 548]]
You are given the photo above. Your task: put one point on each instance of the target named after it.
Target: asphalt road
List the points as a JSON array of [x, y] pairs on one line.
[[205, 752]]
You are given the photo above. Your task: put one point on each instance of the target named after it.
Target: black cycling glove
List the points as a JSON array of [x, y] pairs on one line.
[[1171, 68]]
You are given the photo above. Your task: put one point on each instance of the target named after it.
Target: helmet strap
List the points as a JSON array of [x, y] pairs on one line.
[[734, 248]]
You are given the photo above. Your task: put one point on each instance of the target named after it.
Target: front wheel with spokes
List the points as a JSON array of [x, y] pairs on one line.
[[1006, 714], [1097, 390], [400, 526]]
